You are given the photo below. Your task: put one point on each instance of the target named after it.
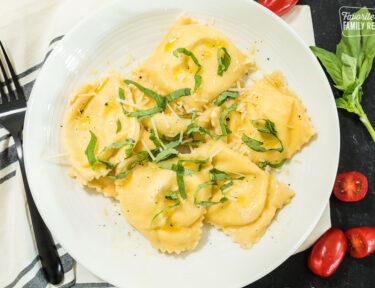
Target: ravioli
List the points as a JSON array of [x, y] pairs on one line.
[[253, 201], [269, 98], [169, 73], [142, 196], [94, 108]]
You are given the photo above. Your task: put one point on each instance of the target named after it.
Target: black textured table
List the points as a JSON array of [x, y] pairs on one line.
[[357, 154]]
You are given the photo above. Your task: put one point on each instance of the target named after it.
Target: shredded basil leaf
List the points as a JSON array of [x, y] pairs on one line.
[[118, 145], [166, 154], [173, 167], [226, 186], [208, 203], [197, 77], [256, 145], [194, 128], [253, 144], [201, 186], [171, 196], [223, 62], [161, 102], [177, 94], [165, 209], [223, 96], [272, 165], [121, 95], [145, 113], [144, 157], [90, 150], [216, 174], [193, 113], [108, 164], [224, 128], [180, 179], [155, 140], [119, 126]]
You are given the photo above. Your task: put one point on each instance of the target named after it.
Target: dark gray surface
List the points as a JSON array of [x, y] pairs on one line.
[[357, 154]]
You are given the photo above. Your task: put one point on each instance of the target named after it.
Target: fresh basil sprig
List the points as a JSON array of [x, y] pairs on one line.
[[268, 128], [351, 64], [223, 61], [223, 96], [197, 77]]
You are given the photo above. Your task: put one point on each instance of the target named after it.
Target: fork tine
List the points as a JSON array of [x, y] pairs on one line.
[[3, 97], [6, 80], [13, 74]]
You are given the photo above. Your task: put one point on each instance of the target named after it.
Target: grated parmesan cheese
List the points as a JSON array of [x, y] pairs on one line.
[[128, 103], [217, 152], [173, 112], [165, 119], [87, 94], [148, 149], [156, 132]]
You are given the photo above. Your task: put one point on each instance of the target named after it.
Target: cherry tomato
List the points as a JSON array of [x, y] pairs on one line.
[[350, 186], [279, 7], [328, 252], [361, 241]]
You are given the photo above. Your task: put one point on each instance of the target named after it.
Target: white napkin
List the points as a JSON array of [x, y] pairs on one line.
[[29, 29]]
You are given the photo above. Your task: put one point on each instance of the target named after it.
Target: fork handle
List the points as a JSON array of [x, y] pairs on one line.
[[49, 257]]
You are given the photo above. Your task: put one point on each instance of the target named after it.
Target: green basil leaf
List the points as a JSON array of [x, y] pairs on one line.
[[201, 186], [173, 167], [223, 61], [331, 63], [155, 140], [121, 93], [180, 179], [166, 154], [208, 203], [119, 126], [216, 174], [194, 128], [177, 94], [225, 186], [160, 100], [269, 128], [108, 164], [162, 211], [143, 158], [223, 96], [272, 165], [145, 113], [171, 196], [197, 77], [224, 128], [118, 145], [90, 150], [193, 113], [253, 144], [349, 69]]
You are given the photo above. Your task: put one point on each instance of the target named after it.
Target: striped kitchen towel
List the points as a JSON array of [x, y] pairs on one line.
[[30, 29]]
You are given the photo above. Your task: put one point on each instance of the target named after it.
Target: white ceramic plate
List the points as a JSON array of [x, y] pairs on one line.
[[89, 226]]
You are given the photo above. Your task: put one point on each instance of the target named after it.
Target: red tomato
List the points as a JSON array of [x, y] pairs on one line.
[[350, 186], [361, 241], [279, 7], [327, 253]]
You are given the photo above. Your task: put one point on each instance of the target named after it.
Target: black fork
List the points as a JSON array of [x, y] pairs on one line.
[[12, 115]]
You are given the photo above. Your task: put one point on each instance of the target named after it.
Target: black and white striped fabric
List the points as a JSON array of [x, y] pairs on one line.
[[30, 275], [30, 29]]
